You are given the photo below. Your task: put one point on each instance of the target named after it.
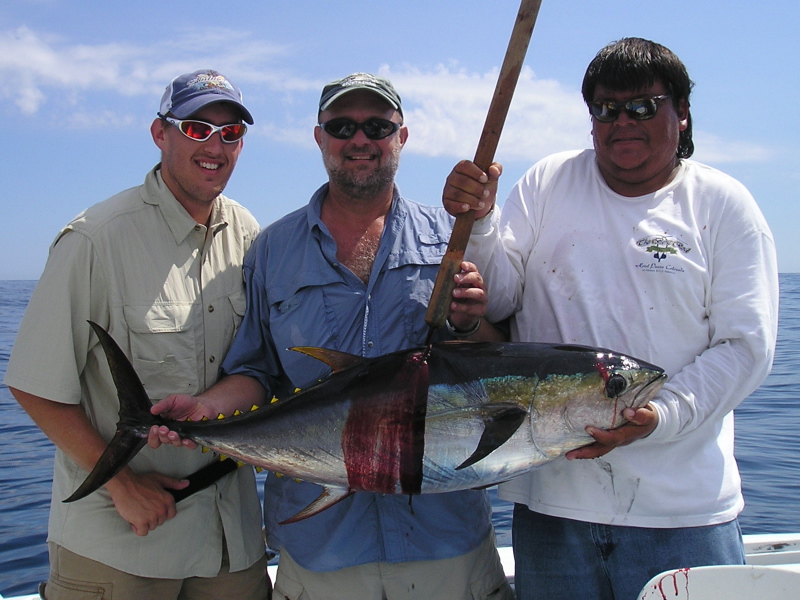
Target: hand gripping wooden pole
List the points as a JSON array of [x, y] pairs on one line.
[[439, 305]]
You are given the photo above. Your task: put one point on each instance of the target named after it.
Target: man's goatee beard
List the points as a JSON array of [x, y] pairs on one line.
[[360, 186]]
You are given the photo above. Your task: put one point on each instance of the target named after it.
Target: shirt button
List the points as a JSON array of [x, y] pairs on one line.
[[212, 359], [370, 344], [197, 227], [210, 308]]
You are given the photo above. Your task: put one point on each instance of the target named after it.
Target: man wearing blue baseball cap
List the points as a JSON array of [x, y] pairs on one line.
[[160, 267]]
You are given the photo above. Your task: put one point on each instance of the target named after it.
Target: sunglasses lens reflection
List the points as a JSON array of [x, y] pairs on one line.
[[232, 133], [196, 130], [344, 128], [377, 129], [643, 109], [640, 109], [201, 131]]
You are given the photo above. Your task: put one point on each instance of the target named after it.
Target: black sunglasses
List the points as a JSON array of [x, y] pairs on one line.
[[343, 128], [640, 109]]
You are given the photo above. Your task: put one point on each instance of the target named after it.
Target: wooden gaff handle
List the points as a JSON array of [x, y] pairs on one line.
[[439, 305]]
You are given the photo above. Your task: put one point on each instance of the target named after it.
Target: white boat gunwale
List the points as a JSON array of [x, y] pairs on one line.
[[765, 551]]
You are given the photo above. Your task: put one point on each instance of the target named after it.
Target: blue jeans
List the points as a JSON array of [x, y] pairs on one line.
[[572, 560]]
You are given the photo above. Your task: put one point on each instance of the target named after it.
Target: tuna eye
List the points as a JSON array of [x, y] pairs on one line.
[[615, 386]]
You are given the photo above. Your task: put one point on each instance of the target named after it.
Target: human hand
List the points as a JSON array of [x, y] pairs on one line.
[[469, 188], [469, 297], [178, 407], [641, 423], [161, 434], [142, 499]]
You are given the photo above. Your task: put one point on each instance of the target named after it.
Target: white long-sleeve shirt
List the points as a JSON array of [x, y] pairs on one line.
[[685, 278]]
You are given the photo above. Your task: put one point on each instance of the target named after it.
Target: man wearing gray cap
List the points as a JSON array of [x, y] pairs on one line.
[[353, 271], [159, 267]]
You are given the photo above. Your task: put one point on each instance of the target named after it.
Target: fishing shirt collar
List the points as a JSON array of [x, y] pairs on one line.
[[180, 223]]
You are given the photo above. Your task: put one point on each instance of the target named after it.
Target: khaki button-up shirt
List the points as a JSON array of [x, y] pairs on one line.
[[170, 292]]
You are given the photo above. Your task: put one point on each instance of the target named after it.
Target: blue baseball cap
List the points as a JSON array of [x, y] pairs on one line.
[[186, 94]]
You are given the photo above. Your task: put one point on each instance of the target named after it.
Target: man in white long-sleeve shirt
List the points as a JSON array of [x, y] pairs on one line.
[[632, 246]]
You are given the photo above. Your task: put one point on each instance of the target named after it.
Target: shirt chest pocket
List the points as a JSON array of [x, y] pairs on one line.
[[163, 348]]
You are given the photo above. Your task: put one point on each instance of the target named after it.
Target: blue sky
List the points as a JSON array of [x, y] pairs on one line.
[[82, 80]]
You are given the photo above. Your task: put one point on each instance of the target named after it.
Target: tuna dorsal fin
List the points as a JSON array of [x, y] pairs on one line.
[[328, 497], [500, 421], [336, 360]]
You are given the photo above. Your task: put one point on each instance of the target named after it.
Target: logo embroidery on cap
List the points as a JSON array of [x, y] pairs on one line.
[[205, 81]]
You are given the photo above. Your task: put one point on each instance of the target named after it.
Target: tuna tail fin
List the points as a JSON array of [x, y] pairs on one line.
[[120, 451], [134, 417], [500, 421], [133, 400]]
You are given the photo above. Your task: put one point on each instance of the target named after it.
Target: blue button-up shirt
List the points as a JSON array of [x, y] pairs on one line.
[[298, 294]]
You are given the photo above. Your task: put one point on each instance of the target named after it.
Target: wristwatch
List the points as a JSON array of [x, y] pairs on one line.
[[458, 333]]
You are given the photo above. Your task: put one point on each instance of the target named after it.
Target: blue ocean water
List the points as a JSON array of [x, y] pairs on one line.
[[766, 448]]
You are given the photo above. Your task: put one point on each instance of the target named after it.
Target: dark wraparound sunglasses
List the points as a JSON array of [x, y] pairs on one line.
[[200, 131], [343, 128], [640, 109]]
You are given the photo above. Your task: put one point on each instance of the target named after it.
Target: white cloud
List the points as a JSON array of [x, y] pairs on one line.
[[445, 109], [445, 106], [104, 120], [448, 108], [38, 68], [712, 149]]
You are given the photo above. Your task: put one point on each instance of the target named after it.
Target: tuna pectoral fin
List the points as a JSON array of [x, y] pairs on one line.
[[500, 422], [123, 447], [336, 360], [328, 497]]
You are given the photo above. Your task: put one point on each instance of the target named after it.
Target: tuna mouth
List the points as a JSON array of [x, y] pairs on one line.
[[649, 390]]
